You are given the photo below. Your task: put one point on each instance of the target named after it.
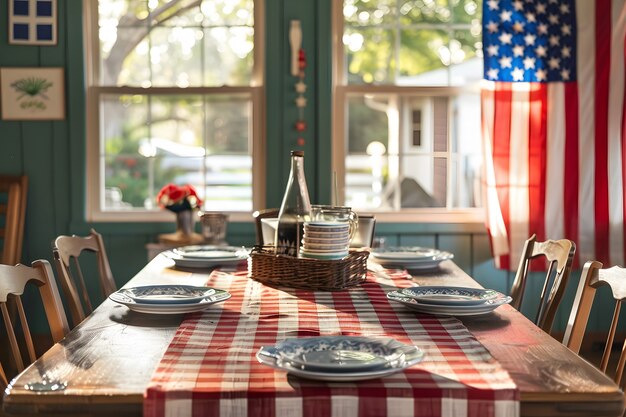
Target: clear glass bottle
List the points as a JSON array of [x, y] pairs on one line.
[[294, 210]]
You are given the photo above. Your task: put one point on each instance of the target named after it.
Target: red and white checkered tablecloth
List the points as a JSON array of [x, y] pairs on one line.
[[210, 368]]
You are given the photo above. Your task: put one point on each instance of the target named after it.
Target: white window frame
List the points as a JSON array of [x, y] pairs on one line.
[[341, 92], [95, 172]]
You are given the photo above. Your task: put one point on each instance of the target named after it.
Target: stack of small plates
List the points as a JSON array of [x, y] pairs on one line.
[[340, 358], [168, 299], [449, 301], [204, 256], [325, 240], [413, 258]]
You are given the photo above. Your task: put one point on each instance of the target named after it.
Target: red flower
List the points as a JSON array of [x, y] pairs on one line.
[[178, 198]]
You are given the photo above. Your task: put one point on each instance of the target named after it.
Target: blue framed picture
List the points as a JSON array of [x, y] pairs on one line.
[[33, 22]]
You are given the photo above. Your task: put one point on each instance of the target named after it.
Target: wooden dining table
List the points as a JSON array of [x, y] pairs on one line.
[[105, 364]]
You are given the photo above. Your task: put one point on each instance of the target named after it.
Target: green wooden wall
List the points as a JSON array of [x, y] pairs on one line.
[[52, 153]]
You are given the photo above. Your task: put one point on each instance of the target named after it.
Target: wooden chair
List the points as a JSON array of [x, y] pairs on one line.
[[13, 281], [13, 209], [559, 254], [67, 250], [262, 214], [593, 277]]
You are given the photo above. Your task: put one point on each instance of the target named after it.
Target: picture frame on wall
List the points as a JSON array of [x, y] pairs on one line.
[[32, 93], [33, 22]]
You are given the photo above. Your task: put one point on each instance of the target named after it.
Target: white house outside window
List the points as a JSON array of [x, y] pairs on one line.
[[407, 106], [174, 91]]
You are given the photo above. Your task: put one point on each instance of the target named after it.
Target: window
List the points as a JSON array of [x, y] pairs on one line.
[[174, 92], [407, 105]]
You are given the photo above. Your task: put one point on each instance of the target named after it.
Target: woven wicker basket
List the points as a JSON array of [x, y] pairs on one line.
[[314, 274]]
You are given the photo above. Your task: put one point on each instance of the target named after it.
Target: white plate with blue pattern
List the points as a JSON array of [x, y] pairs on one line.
[[188, 306], [412, 257], [167, 294], [450, 296], [203, 256], [405, 297], [340, 358]]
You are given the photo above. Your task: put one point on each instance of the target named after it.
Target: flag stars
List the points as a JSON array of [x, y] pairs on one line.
[[566, 52], [529, 63], [517, 74], [505, 38], [492, 73], [566, 30], [541, 75], [541, 51], [518, 27], [554, 63], [553, 19], [530, 39], [505, 62], [542, 29], [554, 40], [492, 50], [540, 8]]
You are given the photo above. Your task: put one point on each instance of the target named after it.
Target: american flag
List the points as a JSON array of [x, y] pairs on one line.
[[554, 129]]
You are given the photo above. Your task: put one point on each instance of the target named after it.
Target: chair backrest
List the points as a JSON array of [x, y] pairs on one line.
[[593, 277], [262, 214], [13, 209], [13, 280], [67, 251], [559, 254]]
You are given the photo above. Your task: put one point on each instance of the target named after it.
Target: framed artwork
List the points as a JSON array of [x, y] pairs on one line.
[[33, 22], [32, 93]]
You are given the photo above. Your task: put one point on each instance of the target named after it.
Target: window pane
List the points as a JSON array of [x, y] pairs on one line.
[[122, 12], [420, 11], [367, 147], [466, 11], [370, 56], [421, 182], [228, 12], [228, 56], [367, 13], [176, 57], [151, 140], [176, 43], [408, 151], [429, 43], [367, 123], [424, 57], [466, 67]]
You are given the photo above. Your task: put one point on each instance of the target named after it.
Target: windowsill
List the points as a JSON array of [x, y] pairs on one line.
[[439, 216], [464, 216], [146, 216]]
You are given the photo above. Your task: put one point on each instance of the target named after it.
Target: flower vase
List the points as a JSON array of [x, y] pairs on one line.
[[185, 222], [184, 235]]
